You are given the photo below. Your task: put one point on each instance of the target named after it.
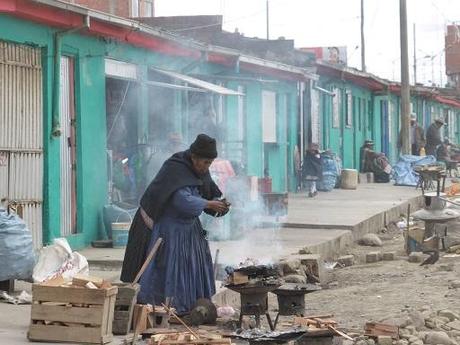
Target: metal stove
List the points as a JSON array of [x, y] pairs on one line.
[[254, 301], [433, 213], [291, 299]]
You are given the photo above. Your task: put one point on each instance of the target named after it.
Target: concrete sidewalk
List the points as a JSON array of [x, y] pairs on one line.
[[323, 225], [346, 209]]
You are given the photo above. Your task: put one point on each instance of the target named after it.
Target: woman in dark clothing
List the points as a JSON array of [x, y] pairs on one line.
[[182, 270], [312, 170]]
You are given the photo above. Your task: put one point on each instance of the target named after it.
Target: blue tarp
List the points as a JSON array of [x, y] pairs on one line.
[[403, 171], [17, 255]]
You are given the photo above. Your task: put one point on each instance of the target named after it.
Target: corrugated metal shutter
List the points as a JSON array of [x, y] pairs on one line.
[[21, 133]]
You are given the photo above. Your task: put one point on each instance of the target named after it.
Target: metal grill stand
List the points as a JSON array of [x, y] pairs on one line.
[[254, 301], [291, 299]]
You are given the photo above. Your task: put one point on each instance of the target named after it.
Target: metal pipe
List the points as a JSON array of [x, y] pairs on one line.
[[55, 120], [330, 93]]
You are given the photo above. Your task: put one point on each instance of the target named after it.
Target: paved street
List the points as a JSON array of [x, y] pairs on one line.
[[333, 217]]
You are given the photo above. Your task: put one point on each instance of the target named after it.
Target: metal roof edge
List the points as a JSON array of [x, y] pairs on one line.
[[116, 20], [354, 72], [186, 42], [306, 72]]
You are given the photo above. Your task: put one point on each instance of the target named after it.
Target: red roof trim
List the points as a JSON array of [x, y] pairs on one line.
[[448, 101], [65, 19], [61, 18]]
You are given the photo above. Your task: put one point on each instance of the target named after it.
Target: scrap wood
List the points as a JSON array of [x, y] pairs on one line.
[[172, 313], [83, 280], [342, 334], [320, 321], [187, 338], [374, 329], [149, 258], [55, 281]]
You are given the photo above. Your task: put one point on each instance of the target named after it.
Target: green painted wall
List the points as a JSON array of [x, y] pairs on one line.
[[345, 132], [89, 54]]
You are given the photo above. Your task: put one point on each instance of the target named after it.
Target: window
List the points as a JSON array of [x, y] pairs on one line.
[[134, 8], [269, 116], [349, 110], [146, 8], [336, 100]]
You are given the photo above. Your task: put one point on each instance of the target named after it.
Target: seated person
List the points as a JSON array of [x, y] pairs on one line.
[[374, 162], [443, 154]]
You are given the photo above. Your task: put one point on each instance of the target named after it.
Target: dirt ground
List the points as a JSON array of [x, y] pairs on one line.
[[384, 290]]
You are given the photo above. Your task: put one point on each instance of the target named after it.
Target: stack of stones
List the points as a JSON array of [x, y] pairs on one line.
[[420, 327]]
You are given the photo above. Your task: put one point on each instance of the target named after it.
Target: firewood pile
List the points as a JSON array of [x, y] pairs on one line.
[[171, 337]]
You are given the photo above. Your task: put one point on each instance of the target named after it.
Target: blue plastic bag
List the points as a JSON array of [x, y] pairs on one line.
[[403, 171], [331, 172], [16, 248]]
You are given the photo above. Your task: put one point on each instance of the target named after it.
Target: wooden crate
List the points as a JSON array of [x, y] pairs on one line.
[[71, 314], [124, 307]]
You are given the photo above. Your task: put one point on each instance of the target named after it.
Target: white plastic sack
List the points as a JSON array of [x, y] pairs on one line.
[[58, 259]]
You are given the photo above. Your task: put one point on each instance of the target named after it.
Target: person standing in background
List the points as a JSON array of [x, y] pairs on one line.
[[312, 170], [433, 137], [417, 137]]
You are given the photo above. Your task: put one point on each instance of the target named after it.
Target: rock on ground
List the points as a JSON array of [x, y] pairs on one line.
[[289, 266], [371, 240], [439, 338], [449, 314]]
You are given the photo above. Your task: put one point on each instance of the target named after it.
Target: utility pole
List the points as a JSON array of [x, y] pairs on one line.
[[268, 21], [415, 59], [363, 47], [440, 70], [405, 88]]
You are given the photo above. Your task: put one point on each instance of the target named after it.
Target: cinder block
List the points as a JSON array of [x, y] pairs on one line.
[[362, 178], [372, 257], [314, 264], [416, 257], [346, 260], [388, 256]]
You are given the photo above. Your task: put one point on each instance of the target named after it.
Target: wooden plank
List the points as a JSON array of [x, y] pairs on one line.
[[57, 281], [81, 280], [239, 278], [67, 334], [71, 294], [111, 314], [374, 329], [72, 314]]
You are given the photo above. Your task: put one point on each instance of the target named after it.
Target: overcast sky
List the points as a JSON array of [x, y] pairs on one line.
[[337, 23]]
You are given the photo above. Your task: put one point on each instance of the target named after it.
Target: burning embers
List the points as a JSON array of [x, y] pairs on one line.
[[254, 282]]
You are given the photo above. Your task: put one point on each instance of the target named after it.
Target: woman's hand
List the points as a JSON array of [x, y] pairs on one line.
[[217, 206]]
